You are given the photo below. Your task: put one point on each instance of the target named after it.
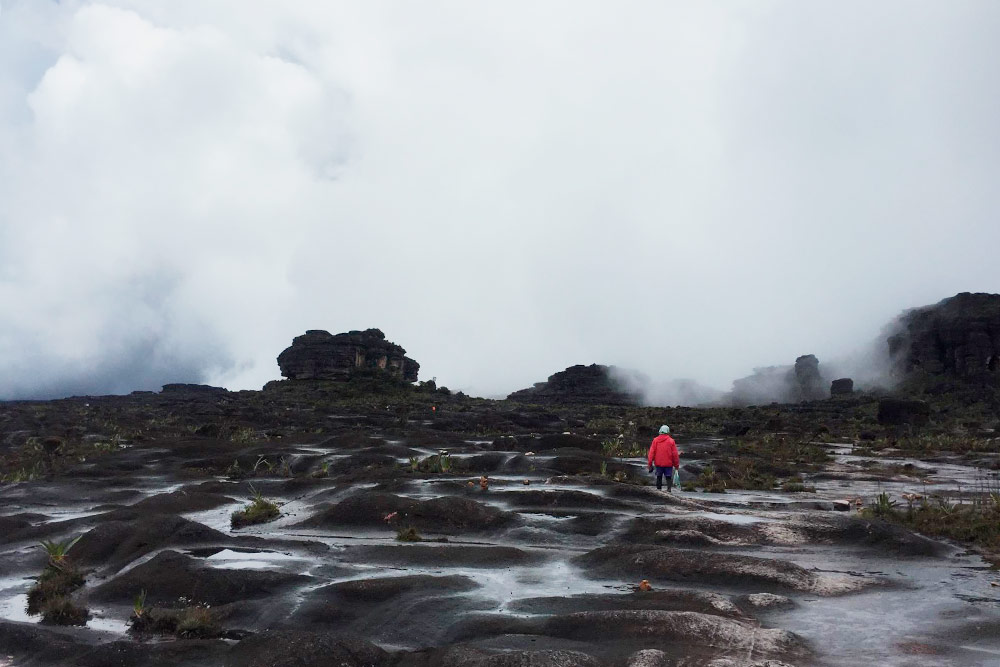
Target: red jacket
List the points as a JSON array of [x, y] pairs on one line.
[[663, 452]]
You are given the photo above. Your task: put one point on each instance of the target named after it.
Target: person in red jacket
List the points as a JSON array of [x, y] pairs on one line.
[[664, 457]]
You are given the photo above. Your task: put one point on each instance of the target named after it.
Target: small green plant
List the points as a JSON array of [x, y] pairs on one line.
[[139, 609], [414, 464], [262, 464], [882, 507], [57, 551], [284, 467], [408, 534], [604, 468], [324, 470], [234, 471], [710, 481], [24, 474], [260, 510]]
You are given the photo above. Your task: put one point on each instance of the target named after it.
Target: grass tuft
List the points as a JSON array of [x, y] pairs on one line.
[[408, 534], [260, 510]]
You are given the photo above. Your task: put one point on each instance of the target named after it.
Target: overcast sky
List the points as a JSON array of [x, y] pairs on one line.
[[691, 189]]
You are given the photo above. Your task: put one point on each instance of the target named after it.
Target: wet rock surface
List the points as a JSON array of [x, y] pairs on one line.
[[533, 544], [442, 515]]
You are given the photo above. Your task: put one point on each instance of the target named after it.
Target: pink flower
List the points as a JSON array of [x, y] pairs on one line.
[[390, 516]]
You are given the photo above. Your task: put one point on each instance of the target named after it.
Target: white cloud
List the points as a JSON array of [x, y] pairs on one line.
[[689, 189]]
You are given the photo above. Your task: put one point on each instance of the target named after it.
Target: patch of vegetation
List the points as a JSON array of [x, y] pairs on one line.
[[244, 435], [408, 534], [709, 480], [190, 622], [792, 486], [51, 594], [918, 444], [440, 463], [23, 474], [61, 610], [260, 510], [197, 621], [748, 477], [39, 457], [976, 523]]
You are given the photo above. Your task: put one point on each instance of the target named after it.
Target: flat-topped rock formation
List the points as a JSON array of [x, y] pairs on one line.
[[320, 355], [578, 384], [958, 337]]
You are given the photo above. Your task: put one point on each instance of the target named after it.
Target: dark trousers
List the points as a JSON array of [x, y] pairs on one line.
[[669, 472]]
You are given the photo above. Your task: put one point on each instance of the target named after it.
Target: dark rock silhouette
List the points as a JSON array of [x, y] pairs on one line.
[[842, 387], [320, 355], [578, 384], [808, 379], [958, 337]]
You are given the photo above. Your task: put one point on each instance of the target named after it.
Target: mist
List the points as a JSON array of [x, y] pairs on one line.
[[691, 190]]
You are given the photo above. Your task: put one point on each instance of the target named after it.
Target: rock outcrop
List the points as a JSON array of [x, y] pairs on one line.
[[808, 378], [958, 337], [842, 387], [592, 384], [803, 381], [319, 355]]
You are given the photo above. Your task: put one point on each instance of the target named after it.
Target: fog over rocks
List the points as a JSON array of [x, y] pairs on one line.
[[690, 190]]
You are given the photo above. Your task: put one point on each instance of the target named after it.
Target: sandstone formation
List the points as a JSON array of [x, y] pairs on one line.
[[842, 387], [807, 378], [958, 337], [319, 355], [578, 384]]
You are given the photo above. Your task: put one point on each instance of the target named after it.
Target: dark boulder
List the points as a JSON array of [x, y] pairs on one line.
[[319, 355], [180, 501], [808, 378], [171, 575], [628, 562], [958, 337], [899, 412], [842, 387], [117, 543]]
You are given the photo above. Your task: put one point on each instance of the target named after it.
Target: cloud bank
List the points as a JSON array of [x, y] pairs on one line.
[[689, 189]]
